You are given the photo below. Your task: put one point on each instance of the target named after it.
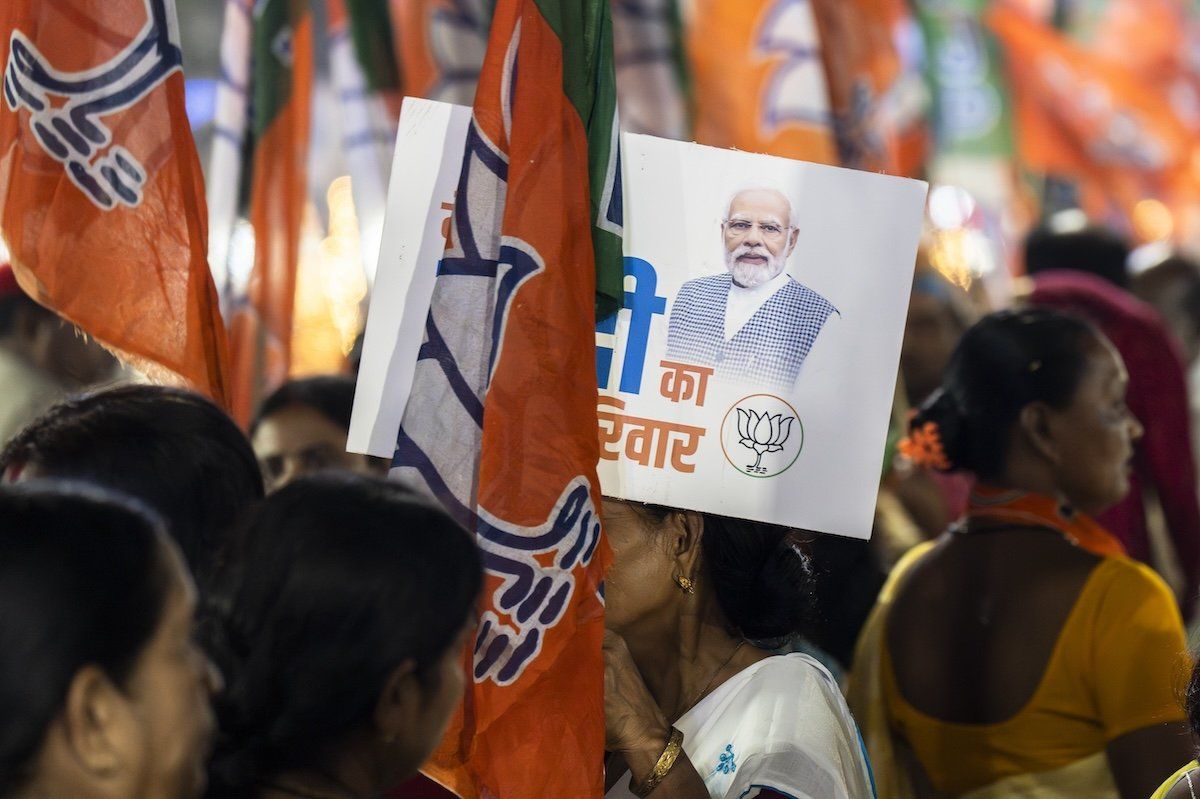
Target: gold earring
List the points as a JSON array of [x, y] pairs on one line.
[[686, 584]]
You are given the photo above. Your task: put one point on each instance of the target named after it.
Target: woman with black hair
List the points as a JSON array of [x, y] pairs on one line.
[[1021, 653], [301, 428], [697, 705], [103, 692], [339, 621], [172, 449]]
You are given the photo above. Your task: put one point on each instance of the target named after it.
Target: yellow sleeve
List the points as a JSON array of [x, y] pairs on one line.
[[1140, 663]]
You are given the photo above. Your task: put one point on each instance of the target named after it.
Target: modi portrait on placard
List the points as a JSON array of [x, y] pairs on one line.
[[754, 322]]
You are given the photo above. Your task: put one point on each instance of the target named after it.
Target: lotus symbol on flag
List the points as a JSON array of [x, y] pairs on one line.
[[763, 433]]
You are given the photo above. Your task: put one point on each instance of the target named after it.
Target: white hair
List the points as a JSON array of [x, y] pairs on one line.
[[793, 218]]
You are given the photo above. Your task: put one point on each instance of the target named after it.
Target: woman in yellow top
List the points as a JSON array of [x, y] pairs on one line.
[[1021, 654]]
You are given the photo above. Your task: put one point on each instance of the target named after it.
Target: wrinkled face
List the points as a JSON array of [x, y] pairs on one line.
[[298, 440], [758, 236], [930, 336], [1096, 433], [170, 690], [639, 588]]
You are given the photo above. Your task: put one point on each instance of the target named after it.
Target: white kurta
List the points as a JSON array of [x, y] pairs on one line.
[[780, 724]]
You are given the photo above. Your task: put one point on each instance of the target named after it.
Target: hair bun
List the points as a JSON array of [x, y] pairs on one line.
[[934, 439], [780, 595]]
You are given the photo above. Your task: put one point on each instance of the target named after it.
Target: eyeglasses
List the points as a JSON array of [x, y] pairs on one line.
[[740, 228]]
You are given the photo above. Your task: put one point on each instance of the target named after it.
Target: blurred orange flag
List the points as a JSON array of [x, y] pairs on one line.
[[1079, 113], [1165, 61], [261, 327], [101, 193], [861, 67], [441, 44], [759, 80]]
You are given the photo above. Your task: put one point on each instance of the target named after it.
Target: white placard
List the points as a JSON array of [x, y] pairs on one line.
[[855, 241], [768, 401], [426, 165]]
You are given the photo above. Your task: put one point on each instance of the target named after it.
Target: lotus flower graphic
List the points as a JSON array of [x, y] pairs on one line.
[[762, 433]]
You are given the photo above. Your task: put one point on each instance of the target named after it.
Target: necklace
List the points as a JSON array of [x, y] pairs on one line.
[[713, 678]]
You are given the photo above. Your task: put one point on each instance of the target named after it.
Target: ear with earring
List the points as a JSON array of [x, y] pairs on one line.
[[686, 584]]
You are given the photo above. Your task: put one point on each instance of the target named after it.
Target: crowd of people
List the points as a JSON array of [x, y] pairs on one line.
[[192, 610]]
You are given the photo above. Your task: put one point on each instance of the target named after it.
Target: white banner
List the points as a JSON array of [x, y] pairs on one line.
[[752, 369]]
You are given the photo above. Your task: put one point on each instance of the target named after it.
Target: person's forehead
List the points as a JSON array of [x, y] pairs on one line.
[[1104, 369], [759, 203], [1111, 365], [294, 428]]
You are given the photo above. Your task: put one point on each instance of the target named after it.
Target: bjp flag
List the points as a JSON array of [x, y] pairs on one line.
[[501, 422], [1157, 41], [759, 80], [1079, 114], [261, 327], [441, 44], [101, 194], [861, 67]]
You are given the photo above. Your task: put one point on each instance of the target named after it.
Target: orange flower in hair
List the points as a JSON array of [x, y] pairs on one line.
[[923, 446]]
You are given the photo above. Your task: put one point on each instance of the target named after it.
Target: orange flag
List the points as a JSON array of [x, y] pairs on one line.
[[1157, 41], [501, 422], [101, 194], [759, 80], [441, 45], [261, 328], [1081, 114], [862, 67]]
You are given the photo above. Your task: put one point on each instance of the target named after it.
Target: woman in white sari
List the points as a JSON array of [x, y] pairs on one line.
[[697, 706]]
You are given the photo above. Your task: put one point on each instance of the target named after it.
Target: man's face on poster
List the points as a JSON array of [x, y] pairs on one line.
[[758, 235]]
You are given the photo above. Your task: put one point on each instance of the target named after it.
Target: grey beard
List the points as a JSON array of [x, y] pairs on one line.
[[751, 275]]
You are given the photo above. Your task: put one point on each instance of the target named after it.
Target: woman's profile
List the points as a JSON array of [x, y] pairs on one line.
[[103, 690], [339, 618], [697, 704], [1022, 653]]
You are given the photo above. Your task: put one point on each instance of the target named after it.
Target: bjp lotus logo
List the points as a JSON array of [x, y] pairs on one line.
[[765, 429]]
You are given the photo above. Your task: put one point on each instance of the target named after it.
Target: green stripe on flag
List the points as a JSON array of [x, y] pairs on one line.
[[679, 59], [274, 25], [371, 32], [585, 29]]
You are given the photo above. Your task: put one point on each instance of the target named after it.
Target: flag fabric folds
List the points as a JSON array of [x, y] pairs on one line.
[[224, 173], [651, 71], [365, 79], [103, 201], [862, 67], [971, 112], [501, 423], [261, 327], [759, 80], [441, 44], [1081, 114]]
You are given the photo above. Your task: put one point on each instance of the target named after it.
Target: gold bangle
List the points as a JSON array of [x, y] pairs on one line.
[[666, 761]]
